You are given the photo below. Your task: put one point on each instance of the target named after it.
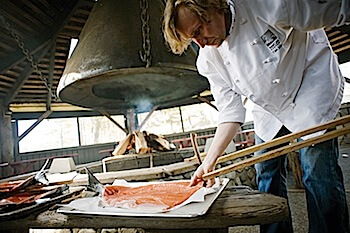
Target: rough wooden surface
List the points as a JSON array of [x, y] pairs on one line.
[[235, 206]]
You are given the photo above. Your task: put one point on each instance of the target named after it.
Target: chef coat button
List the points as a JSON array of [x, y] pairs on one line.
[[292, 105], [276, 81], [227, 63], [254, 42], [251, 97], [284, 94], [267, 60], [237, 81], [243, 21]]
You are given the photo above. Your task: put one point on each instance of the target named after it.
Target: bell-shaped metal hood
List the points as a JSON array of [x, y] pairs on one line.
[[121, 60]]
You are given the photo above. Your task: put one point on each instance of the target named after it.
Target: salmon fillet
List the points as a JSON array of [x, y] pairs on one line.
[[167, 194]]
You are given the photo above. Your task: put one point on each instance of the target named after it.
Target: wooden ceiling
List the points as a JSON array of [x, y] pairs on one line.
[[44, 28]]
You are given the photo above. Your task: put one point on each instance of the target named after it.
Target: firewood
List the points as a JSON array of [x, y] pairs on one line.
[[140, 143], [121, 148]]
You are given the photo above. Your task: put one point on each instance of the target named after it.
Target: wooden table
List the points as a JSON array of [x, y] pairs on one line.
[[235, 206]]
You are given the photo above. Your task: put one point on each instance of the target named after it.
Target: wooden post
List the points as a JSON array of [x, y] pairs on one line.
[[6, 141], [131, 120]]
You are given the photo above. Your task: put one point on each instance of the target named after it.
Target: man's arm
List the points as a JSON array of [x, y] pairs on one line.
[[223, 136], [314, 14]]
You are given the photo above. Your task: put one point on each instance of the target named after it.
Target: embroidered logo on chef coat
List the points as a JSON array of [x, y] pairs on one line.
[[271, 41]]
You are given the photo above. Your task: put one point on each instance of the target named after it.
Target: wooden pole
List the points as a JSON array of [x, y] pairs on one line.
[[40, 119], [285, 139], [195, 147], [277, 152], [106, 114]]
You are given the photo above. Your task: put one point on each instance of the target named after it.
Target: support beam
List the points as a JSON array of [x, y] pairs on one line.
[[40, 119], [6, 141], [206, 101], [147, 117], [347, 79], [106, 114], [34, 45], [131, 120], [23, 77], [50, 76]]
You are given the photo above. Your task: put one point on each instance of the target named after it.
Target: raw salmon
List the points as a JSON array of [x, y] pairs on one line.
[[166, 194]]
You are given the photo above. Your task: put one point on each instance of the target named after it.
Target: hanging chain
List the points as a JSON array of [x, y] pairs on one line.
[[146, 40], [29, 57]]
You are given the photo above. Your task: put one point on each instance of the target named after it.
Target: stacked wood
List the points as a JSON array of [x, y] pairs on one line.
[[142, 143]]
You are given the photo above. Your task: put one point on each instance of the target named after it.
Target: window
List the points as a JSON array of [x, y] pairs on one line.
[[199, 116], [99, 129], [345, 69], [165, 121], [49, 134]]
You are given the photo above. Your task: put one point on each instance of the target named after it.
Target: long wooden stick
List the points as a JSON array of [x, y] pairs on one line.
[[283, 150], [195, 147], [285, 139]]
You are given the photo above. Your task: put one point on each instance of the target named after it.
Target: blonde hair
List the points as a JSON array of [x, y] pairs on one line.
[[177, 42]]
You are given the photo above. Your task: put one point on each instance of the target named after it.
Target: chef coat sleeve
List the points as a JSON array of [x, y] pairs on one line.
[[308, 15], [228, 102]]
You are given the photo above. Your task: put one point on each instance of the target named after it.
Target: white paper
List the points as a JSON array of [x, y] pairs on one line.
[[95, 204], [61, 177]]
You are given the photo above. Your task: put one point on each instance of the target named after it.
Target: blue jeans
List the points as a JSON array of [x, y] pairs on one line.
[[323, 182]]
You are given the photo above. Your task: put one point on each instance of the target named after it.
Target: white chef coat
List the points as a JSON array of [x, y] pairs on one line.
[[276, 55]]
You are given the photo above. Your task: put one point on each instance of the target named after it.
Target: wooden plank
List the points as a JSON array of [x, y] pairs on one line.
[[45, 38], [235, 206], [23, 77], [40, 119]]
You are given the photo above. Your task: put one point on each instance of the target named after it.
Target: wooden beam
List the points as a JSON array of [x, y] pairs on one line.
[[206, 101], [106, 114], [34, 45], [347, 79], [22, 78], [50, 76], [40, 119], [147, 117]]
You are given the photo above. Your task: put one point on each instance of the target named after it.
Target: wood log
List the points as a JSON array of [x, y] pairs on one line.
[[141, 146], [121, 148], [163, 142]]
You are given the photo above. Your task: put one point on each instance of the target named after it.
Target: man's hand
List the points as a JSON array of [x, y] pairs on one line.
[[223, 135], [206, 167]]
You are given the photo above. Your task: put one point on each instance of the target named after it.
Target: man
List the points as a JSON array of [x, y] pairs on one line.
[[277, 54]]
